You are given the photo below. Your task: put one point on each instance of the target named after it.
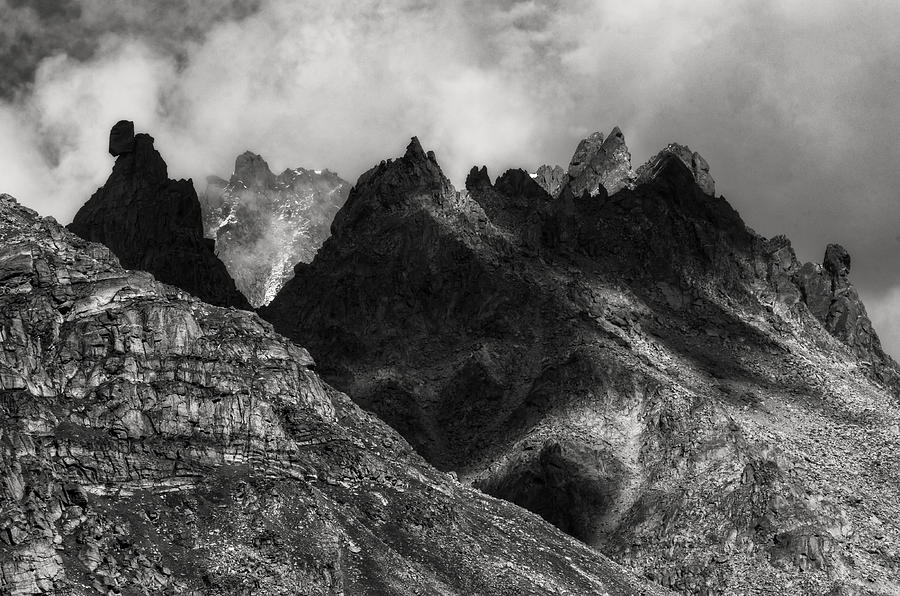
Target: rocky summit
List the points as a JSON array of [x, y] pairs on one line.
[[600, 162], [265, 224], [550, 178], [151, 443], [153, 223], [627, 359]]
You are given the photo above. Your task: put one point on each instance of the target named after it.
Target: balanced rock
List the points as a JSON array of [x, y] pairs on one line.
[[155, 224], [121, 138]]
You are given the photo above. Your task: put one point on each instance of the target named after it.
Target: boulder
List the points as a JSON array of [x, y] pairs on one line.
[[121, 138]]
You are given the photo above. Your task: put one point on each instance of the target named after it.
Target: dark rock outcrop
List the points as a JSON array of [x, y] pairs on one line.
[[643, 371], [691, 159], [265, 224], [515, 203], [478, 178], [154, 444], [121, 138], [154, 224]]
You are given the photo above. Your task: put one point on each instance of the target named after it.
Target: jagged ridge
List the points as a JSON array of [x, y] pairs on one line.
[[638, 367]]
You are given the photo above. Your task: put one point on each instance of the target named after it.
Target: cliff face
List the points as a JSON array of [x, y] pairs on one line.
[[153, 223], [265, 224], [153, 443], [638, 367], [600, 162]]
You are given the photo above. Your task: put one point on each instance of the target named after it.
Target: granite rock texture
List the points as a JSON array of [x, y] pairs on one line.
[[551, 178], [151, 443], [641, 369], [153, 223], [265, 224], [600, 161]]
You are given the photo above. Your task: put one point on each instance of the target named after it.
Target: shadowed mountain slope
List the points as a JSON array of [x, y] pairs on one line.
[[153, 443], [154, 224], [638, 367]]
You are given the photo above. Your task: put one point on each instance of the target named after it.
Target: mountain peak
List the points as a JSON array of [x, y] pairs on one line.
[[692, 160], [155, 224], [478, 178], [415, 177], [264, 228], [519, 183], [414, 150], [251, 170], [550, 178], [600, 161]]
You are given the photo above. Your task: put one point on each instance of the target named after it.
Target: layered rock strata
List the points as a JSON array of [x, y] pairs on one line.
[[151, 443]]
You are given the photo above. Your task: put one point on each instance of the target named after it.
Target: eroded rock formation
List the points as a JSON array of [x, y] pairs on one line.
[[265, 224], [153, 444], [153, 223], [834, 301], [551, 178], [600, 161], [641, 369]]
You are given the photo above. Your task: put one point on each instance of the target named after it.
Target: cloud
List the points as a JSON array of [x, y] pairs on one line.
[[791, 103], [884, 310]]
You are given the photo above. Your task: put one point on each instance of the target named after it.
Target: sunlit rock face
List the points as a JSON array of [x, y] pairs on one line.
[[151, 443], [635, 365], [600, 165], [265, 224], [153, 223], [692, 160]]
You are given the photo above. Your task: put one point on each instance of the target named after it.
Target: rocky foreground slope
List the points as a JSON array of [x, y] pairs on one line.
[[265, 224], [627, 359], [153, 223], [151, 443]]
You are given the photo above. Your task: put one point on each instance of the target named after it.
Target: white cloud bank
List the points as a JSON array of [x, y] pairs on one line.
[[792, 103]]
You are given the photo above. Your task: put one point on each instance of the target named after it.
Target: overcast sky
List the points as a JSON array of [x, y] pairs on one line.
[[794, 104]]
